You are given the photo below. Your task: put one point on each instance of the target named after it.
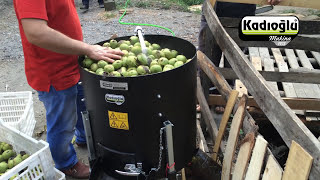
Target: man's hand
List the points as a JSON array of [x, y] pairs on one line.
[[274, 2], [103, 53]]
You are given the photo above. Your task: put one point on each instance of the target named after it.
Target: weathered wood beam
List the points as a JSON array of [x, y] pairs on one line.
[[291, 76], [206, 113], [224, 88], [293, 103], [314, 4], [279, 113]]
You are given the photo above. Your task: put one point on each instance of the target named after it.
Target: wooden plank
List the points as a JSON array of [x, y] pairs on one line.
[[293, 103], [293, 62], [233, 139], [221, 64], [316, 56], [268, 66], [304, 59], [288, 125], [298, 164], [207, 116], [273, 170], [183, 174], [256, 161], [293, 75], [255, 58], [213, 2], [312, 90], [253, 52], [224, 88], [314, 4], [256, 62], [292, 59], [224, 121], [243, 157], [241, 88], [203, 143], [283, 67]]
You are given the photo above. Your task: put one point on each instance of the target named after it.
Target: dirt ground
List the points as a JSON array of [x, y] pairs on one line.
[[96, 27]]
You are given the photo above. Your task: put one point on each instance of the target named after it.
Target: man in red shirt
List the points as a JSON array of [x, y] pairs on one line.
[[52, 40]]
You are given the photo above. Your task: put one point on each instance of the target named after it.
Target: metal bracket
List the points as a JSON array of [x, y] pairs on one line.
[[89, 138], [169, 137]]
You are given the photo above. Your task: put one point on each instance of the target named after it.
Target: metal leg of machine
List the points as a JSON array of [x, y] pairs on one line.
[[89, 138]]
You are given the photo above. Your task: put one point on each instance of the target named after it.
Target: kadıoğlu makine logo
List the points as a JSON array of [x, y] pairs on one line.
[[278, 29]]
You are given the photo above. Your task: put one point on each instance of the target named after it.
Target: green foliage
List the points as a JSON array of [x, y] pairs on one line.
[[314, 12], [143, 4], [191, 2], [289, 11]]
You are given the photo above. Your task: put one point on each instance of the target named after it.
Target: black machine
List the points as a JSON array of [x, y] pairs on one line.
[[142, 127]]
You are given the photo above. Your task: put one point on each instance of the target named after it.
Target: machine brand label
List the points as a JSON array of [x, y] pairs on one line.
[[278, 29], [114, 85], [117, 99], [118, 120]]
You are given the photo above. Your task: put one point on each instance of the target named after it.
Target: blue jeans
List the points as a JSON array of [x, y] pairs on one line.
[[86, 2], [63, 113]]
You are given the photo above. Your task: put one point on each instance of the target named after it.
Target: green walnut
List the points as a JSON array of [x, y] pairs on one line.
[[181, 58], [108, 68], [102, 63], [3, 167], [155, 46], [168, 67], [131, 61], [178, 64], [115, 74], [155, 69], [94, 67], [134, 39], [136, 50], [143, 59], [113, 43], [87, 62], [124, 46], [142, 70], [117, 64], [173, 61], [163, 61]]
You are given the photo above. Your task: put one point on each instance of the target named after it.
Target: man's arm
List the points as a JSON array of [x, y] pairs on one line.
[[40, 34], [274, 2]]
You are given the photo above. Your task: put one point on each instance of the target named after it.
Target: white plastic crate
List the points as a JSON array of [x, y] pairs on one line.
[[38, 166], [16, 110]]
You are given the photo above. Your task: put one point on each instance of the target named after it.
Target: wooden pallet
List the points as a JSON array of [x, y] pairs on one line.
[[252, 151], [288, 125], [283, 60]]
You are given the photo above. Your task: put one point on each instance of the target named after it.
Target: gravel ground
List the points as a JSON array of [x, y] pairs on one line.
[[96, 27]]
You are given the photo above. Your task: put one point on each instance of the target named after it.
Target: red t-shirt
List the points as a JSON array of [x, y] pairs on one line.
[[43, 67]]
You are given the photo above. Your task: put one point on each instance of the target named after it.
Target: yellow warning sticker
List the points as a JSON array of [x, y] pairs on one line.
[[118, 120]]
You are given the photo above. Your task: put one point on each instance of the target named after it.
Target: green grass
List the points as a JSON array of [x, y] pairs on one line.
[[289, 11], [314, 12], [191, 2]]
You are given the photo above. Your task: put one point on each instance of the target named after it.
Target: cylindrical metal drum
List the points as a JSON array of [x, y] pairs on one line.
[[127, 113]]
